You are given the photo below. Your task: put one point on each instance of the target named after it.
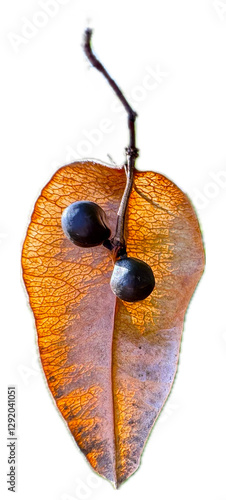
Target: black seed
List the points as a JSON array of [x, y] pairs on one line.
[[132, 279], [84, 223]]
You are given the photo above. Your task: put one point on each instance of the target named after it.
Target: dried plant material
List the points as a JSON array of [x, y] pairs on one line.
[[110, 364]]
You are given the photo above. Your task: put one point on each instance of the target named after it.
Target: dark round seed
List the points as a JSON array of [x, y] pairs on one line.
[[132, 279], [84, 223]]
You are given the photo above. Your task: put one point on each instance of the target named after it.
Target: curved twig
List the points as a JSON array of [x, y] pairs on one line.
[[117, 243]]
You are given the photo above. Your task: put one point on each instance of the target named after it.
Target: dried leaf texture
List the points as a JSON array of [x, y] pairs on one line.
[[110, 364]]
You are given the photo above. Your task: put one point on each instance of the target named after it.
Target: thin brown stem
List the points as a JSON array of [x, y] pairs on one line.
[[129, 169], [98, 65], [117, 243]]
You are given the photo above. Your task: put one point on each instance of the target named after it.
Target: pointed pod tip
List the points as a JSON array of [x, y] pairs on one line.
[[116, 485]]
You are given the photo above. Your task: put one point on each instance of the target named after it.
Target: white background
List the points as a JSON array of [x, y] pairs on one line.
[[50, 101]]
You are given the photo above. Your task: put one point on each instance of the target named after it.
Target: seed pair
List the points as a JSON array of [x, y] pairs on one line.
[[85, 224]]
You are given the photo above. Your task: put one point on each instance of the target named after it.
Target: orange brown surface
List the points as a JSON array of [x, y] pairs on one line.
[[110, 364]]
